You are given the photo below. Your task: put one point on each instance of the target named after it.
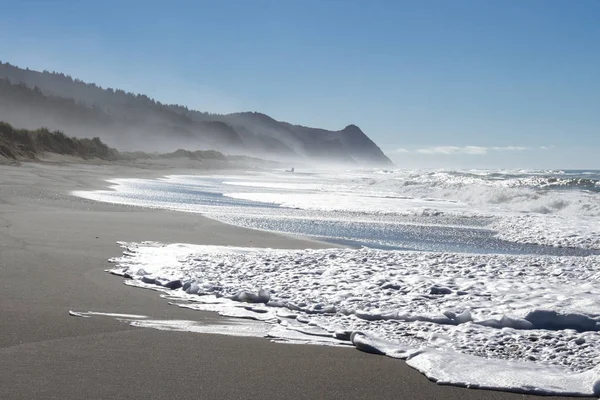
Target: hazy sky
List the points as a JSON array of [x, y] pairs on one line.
[[435, 83]]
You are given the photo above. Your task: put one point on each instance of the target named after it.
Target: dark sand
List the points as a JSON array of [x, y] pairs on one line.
[[53, 252]]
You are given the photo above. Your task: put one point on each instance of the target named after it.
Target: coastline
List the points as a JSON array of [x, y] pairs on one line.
[[53, 252]]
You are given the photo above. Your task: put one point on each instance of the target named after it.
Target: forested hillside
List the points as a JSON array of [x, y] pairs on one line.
[[130, 121]]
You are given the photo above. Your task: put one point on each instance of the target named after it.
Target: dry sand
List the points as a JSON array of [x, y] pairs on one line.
[[53, 252]]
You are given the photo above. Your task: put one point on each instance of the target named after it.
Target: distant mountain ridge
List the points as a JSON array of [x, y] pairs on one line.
[[136, 122]]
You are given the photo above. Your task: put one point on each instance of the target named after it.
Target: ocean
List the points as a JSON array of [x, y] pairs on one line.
[[481, 278]]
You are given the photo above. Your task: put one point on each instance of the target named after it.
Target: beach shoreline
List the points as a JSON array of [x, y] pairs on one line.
[[54, 249]]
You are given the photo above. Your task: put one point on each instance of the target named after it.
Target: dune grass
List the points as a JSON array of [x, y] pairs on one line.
[[30, 144]]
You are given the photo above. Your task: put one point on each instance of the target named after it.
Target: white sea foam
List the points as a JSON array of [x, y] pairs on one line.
[[521, 323], [520, 193], [87, 314], [551, 208], [526, 211], [550, 230], [351, 202]]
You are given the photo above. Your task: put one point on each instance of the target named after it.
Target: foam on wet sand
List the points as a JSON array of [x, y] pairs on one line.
[[516, 323]]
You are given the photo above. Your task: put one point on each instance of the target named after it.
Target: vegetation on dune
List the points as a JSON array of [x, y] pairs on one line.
[[195, 155], [29, 144], [192, 155]]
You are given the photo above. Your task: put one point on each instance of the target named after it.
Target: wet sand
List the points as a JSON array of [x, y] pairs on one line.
[[53, 252]]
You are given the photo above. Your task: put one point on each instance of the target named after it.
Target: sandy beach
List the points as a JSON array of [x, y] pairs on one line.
[[53, 252]]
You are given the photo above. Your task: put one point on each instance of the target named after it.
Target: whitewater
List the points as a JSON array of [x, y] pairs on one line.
[[476, 278]]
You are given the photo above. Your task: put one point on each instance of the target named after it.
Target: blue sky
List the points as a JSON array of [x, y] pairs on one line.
[[512, 83]]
